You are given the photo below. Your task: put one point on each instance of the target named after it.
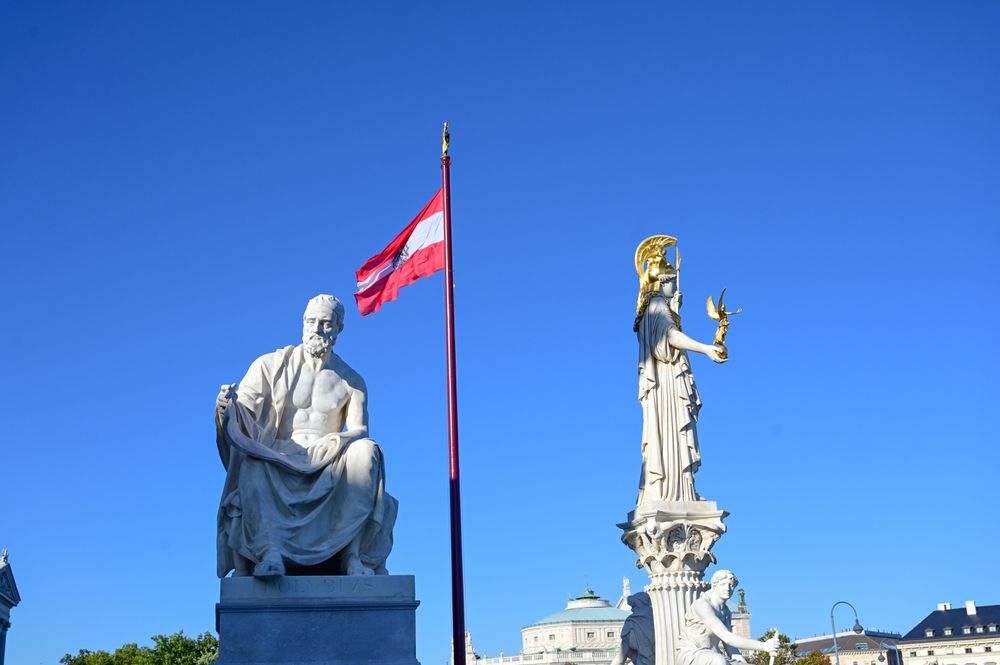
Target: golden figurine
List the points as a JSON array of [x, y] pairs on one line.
[[721, 314], [445, 140]]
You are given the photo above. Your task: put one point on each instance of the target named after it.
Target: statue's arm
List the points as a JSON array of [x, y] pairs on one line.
[[226, 393], [356, 422], [720, 630], [679, 340]]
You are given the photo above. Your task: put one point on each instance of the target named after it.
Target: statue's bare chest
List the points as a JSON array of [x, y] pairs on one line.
[[320, 392]]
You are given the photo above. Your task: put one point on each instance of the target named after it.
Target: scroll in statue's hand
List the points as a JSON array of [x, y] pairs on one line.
[[226, 393]]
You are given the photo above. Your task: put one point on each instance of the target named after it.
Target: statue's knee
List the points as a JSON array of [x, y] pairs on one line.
[[716, 658], [362, 455]]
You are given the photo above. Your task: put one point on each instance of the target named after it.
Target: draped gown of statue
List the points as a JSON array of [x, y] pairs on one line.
[[670, 405]]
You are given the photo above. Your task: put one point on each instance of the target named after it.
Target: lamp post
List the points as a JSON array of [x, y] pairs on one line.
[[858, 628]]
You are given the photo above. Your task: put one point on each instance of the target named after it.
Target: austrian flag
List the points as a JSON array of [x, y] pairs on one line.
[[416, 252]]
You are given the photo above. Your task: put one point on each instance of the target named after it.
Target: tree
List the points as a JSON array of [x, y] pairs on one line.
[[785, 655], [815, 658], [176, 649]]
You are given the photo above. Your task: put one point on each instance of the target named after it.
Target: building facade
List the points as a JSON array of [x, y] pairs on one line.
[[9, 597], [586, 632], [968, 635]]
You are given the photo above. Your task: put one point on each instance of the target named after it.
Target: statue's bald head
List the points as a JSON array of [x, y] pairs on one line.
[[327, 307]]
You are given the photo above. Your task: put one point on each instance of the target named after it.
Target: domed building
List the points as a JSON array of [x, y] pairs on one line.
[[586, 632], [587, 624]]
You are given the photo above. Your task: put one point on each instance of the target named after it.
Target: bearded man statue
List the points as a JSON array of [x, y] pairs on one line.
[[305, 486]]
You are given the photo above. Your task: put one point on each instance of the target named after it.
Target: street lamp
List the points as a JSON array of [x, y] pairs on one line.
[[858, 628]]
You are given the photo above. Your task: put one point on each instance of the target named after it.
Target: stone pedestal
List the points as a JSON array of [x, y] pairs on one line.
[[673, 541], [335, 620]]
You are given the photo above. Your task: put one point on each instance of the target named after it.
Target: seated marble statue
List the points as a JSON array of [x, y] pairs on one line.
[[707, 637], [638, 644], [305, 486]]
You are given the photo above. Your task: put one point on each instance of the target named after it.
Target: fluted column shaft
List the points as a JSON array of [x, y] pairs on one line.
[[671, 594]]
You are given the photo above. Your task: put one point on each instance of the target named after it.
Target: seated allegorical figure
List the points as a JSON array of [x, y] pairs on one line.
[[707, 637], [305, 486]]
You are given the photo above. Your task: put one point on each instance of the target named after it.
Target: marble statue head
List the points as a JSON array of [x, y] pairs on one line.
[[725, 582], [667, 284], [321, 323]]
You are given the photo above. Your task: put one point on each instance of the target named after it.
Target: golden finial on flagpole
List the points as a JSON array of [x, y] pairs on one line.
[[445, 139]]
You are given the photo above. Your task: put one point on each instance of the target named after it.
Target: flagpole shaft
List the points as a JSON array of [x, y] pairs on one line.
[[457, 585]]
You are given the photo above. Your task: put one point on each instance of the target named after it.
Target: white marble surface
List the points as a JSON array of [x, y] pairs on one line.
[[304, 482], [706, 637], [670, 401], [638, 635]]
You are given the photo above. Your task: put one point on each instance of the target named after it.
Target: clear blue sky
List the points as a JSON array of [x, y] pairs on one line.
[[177, 179]]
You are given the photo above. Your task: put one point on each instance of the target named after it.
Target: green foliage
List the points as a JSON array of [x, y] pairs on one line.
[[815, 658], [176, 649], [785, 655]]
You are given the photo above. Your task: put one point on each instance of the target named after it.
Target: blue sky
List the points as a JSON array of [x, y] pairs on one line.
[[177, 179]]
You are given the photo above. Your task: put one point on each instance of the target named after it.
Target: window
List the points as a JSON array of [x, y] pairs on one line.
[[930, 632], [979, 629], [930, 652], [988, 649], [947, 632], [536, 638], [590, 634], [913, 654], [966, 631], [992, 628], [611, 633], [552, 637], [968, 649], [861, 645]]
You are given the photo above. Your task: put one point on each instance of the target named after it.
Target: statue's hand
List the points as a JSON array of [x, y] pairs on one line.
[[226, 393], [716, 353], [771, 645]]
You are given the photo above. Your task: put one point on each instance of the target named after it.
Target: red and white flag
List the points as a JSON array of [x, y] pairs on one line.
[[416, 252]]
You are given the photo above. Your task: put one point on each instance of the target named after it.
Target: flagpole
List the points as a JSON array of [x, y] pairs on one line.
[[457, 585]]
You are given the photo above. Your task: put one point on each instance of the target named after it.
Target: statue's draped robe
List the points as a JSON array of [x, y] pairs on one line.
[[293, 499], [670, 405]]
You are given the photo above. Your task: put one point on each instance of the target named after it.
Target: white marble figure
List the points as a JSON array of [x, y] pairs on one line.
[[638, 640], [667, 392], [707, 637], [304, 483]]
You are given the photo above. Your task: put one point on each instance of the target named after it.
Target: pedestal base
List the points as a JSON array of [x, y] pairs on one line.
[[317, 621], [672, 541]]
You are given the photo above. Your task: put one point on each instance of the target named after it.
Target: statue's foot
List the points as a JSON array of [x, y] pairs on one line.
[[271, 566], [355, 567]]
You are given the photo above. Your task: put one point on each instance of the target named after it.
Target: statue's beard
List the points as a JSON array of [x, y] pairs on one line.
[[316, 345]]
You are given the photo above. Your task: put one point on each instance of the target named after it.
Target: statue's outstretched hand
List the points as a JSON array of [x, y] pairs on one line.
[[226, 393], [771, 645], [716, 353]]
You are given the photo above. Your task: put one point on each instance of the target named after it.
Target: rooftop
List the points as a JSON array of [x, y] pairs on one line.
[[587, 607], [947, 623], [869, 640]]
